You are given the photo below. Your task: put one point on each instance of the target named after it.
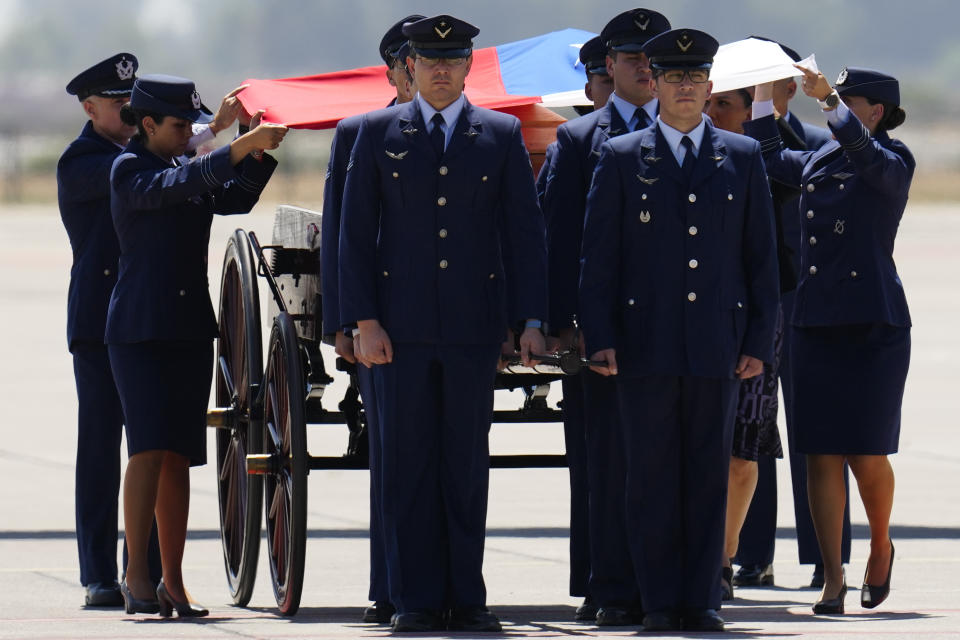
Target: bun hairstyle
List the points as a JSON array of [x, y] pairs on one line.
[[134, 118], [893, 115]]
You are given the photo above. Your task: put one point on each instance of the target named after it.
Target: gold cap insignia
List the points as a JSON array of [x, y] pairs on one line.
[[642, 21], [684, 42], [442, 29]]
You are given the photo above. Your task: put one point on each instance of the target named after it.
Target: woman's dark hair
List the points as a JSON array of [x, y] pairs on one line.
[[134, 117], [747, 98], [893, 115]]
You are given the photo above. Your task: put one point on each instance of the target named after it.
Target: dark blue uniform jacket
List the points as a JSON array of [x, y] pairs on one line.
[[343, 139], [162, 215], [83, 191], [564, 203], [680, 279], [423, 239], [853, 193]]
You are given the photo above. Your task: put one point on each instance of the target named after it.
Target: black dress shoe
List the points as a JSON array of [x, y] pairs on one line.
[[871, 595], [417, 622], [184, 609], [816, 581], [103, 594], [702, 620], [726, 584], [754, 575], [618, 617], [473, 619], [379, 612], [587, 612], [831, 606], [662, 621], [135, 605]]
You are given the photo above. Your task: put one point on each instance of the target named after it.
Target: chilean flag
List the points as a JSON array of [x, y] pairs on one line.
[[544, 69]]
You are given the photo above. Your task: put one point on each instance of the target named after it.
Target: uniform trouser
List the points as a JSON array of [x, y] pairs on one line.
[[436, 404], [379, 589], [576, 449], [97, 488], [612, 580], [678, 434], [758, 537]]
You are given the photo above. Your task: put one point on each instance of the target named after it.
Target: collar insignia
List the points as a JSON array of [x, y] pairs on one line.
[[644, 217], [195, 99], [646, 180], [124, 69], [684, 42], [443, 33], [396, 156]]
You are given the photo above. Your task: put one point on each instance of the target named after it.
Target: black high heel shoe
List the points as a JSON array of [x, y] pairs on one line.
[[871, 595], [135, 605], [833, 606], [184, 609]]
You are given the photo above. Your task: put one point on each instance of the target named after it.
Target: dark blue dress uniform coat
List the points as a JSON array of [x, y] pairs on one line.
[[342, 145], [162, 215], [590, 407], [847, 272], [423, 242], [83, 192], [680, 277], [470, 206]]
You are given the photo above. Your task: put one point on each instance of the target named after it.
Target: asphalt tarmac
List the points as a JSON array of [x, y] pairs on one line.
[[527, 545]]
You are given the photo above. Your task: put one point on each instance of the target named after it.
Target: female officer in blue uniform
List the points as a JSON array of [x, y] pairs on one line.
[[851, 326], [160, 321]]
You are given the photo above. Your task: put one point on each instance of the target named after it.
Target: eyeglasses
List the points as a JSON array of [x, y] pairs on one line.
[[675, 76], [430, 63]]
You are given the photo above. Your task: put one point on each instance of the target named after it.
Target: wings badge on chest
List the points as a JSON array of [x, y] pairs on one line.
[[396, 156]]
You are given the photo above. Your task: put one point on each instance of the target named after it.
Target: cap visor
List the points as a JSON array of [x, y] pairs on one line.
[[443, 53]]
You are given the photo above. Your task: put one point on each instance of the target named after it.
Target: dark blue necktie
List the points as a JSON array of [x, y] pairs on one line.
[[437, 138], [688, 157], [640, 115]]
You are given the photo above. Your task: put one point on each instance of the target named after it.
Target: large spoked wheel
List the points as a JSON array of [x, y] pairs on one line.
[[285, 486], [238, 373]]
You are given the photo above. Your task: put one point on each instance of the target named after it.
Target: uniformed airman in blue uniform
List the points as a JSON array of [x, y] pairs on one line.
[[679, 294], [599, 86], [394, 49], [758, 536], [83, 192], [590, 402], [437, 193]]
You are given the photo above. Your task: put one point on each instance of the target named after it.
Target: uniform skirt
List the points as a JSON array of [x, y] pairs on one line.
[[755, 430], [848, 388], [164, 389]]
